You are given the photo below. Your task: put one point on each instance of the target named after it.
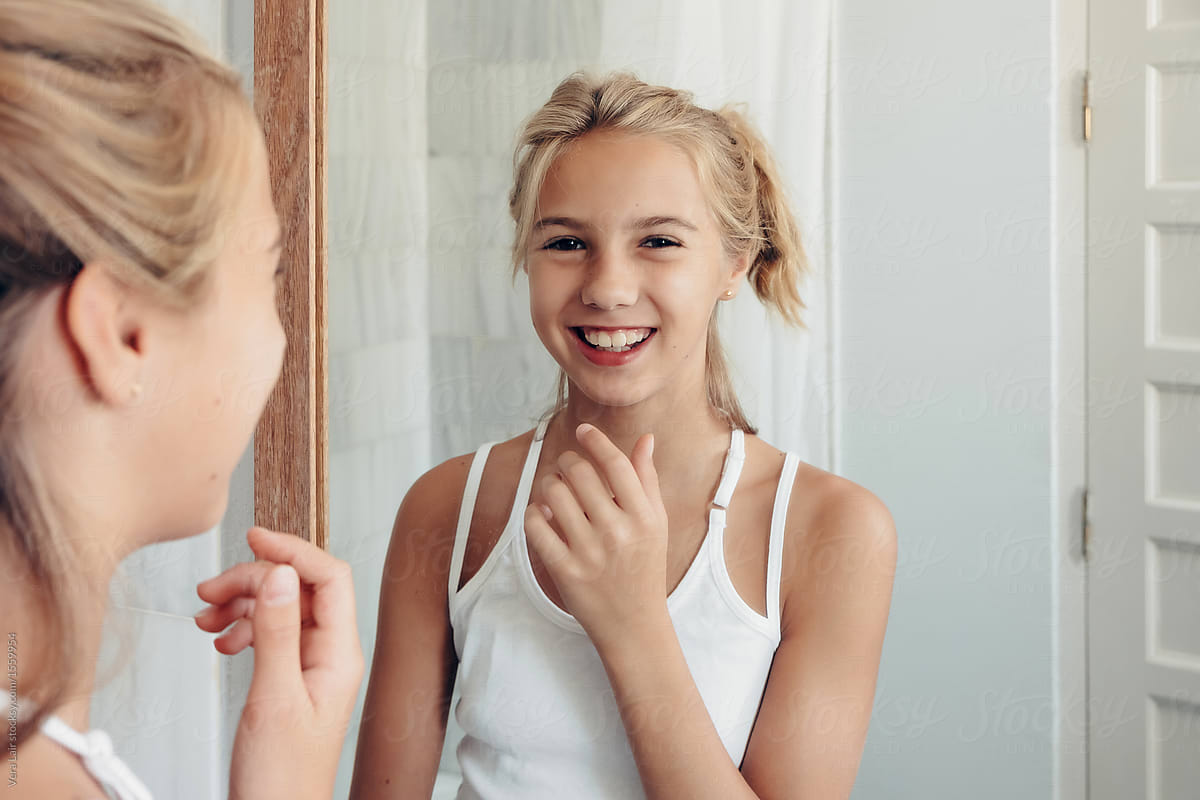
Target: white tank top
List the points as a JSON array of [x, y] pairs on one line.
[[95, 749], [537, 709]]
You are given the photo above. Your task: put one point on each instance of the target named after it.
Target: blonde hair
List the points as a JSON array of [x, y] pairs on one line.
[[734, 166], [115, 147]]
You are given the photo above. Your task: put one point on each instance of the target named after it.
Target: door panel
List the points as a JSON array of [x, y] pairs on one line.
[[1144, 400]]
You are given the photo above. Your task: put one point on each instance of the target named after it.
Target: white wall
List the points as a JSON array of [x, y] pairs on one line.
[[960, 306]]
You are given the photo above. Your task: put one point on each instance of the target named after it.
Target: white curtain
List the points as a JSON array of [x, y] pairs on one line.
[[772, 55], [432, 349]]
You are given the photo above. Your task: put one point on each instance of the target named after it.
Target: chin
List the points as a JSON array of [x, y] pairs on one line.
[[200, 520], [619, 395], [217, 511]]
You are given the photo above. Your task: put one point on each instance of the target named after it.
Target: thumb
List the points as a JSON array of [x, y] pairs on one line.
[[277, 633]]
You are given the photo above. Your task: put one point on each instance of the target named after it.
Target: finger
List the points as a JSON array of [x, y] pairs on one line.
[[643, 463], [312, 564], [244, 580], [276, 629], [586, 484], [564, 507], [615, 467], [331, 644], [545, 541], [218, 618], [329, 576], [236, 639]]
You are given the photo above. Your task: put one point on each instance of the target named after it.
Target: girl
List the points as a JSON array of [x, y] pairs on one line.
[[139, 340], [640, 597]]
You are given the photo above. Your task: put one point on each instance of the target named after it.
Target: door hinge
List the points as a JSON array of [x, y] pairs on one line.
[[1087, 108], [1087, 526]]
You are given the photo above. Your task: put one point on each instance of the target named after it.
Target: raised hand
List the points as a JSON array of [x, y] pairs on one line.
[[606, 550], [295, 606]]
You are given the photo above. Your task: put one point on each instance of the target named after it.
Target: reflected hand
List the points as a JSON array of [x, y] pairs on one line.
[[296, 608], [606, 550]]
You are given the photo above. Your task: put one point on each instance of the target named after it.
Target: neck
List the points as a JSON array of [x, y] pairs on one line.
[[689, 435], [26, 618]]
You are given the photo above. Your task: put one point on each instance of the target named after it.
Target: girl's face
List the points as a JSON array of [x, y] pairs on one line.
[[220, 363], [625, 266]]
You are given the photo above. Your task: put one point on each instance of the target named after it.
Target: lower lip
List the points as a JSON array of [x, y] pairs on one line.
[[607, 359]]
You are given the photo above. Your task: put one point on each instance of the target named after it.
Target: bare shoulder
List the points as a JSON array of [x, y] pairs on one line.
[[819, 498], [838, 507], [428, 515], [50, 772], [834, 527], [435, 495], [423, 532], [442, 486]]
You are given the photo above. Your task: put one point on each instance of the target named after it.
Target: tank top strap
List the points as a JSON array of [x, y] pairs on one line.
[[783, 494], [95, 748], [466, 511], [471, 493], [525, 484], [731, 470]]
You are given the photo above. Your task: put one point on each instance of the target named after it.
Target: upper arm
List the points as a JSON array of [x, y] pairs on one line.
[[812, 724], [412, 672]]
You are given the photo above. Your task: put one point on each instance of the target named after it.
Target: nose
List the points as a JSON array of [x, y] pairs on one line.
[[611, 280]]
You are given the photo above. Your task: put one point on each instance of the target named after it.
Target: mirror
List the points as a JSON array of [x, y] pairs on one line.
[[432, 351], [934, 157]]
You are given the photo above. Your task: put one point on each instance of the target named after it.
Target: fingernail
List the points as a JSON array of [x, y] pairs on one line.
[[546, 512], [582, 429], [283, 586]]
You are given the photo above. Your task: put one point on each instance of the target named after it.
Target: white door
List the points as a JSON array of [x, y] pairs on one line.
[[1144, 400]]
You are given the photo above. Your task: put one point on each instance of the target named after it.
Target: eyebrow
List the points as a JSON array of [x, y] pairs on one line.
[[637, 224]]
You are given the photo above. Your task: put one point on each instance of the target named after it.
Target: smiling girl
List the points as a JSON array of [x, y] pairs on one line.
[[640, 597]]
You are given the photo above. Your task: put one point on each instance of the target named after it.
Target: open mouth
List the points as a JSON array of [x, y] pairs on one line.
[[619, 341]]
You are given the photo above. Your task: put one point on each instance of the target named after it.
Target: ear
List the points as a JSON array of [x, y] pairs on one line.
[[741, 265], [102, 328]]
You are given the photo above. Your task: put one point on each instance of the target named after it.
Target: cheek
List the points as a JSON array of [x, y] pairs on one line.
[[260, 349], [273, 347], [689, 295], [547, 297]]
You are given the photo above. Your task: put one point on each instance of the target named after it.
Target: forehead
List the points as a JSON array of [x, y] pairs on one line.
[[618, 176]]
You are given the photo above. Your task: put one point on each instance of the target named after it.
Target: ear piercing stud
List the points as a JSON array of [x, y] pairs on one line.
[[729, 292]]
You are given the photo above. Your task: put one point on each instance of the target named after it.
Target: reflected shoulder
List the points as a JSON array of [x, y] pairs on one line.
[[428, 512], [833, 525]]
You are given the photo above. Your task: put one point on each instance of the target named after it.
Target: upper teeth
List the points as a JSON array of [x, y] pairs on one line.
[[619, 338]]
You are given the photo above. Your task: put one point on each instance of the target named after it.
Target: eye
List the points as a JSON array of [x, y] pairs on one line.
[[565, 243], [660, 242]]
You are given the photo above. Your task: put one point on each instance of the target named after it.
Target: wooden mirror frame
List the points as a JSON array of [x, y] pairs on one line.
[[291, 453]]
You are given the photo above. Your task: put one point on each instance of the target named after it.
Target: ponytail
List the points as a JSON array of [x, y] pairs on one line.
[[779, 262]]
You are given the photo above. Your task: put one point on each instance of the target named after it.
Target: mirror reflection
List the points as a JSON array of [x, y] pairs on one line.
[[532, 231]]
